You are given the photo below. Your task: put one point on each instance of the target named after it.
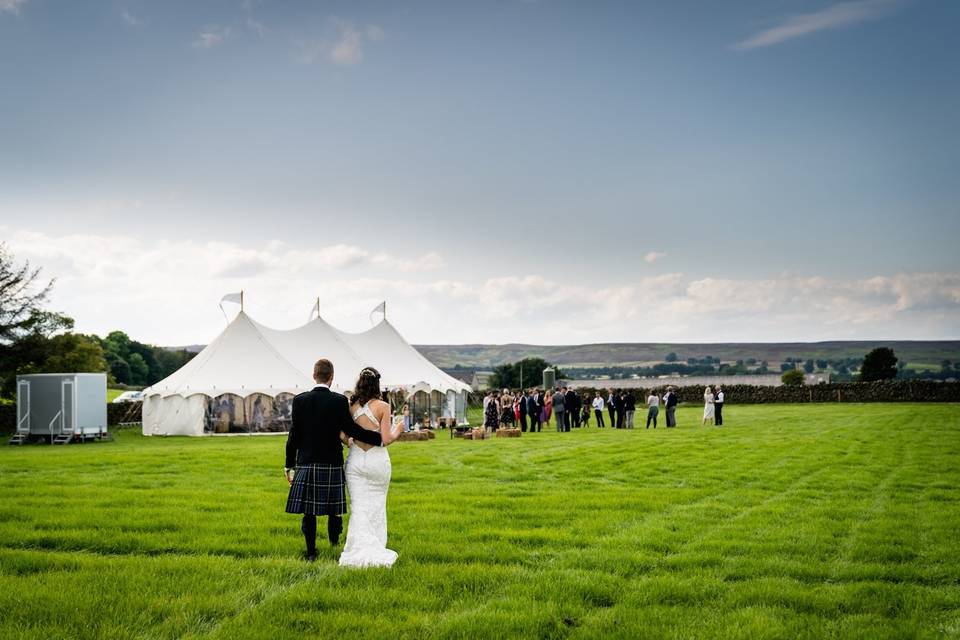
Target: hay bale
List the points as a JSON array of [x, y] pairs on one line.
[[508, 433]]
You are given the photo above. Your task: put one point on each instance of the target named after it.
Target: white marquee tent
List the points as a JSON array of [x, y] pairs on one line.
[[249, 373]]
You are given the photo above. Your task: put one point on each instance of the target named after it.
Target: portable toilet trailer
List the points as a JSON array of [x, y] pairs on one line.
[[61, 406]]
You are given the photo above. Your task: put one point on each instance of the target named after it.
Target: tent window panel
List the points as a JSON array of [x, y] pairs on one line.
[[225, 414], [263, 415], [436, 406], [420, 407]]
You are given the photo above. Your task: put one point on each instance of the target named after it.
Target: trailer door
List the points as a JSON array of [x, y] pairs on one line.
[[67, 407], [23, 406]]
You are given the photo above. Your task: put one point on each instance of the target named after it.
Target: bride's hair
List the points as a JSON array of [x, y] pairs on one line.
[[367, 387]]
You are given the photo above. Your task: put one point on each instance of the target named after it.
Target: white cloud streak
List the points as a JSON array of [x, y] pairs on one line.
[[211, 37], [129, 18], [836, 16], [653, 256], [11, 6], [343, 45]]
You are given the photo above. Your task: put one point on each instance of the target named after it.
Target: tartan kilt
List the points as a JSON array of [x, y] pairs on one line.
[[318, 489]]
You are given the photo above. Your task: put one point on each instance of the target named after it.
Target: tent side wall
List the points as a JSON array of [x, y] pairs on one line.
[[174, 415]]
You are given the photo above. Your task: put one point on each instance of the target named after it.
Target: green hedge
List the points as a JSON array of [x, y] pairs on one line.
[[890, 391]]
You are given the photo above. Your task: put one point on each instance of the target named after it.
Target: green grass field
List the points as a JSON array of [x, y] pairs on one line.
[[790, 521]]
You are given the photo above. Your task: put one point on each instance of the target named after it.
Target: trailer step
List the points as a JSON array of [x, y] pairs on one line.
[[19, 438], [63, 438]]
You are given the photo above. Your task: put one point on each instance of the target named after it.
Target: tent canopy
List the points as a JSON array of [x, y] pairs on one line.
[[250, 358]]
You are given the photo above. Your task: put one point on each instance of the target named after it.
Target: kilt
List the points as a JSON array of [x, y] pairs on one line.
[[318, 489]]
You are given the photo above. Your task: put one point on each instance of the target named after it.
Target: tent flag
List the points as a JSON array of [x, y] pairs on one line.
[[236, 298], [380, 308], [315, 311]]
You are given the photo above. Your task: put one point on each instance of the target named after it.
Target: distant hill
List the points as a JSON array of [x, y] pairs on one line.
[[485, 356]]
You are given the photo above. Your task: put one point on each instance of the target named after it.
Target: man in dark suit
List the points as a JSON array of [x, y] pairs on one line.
[[572, 403], [541, 406], [559, 414], [718, 407], [533, 410], [314, 457], [522, 407], [670, 402]]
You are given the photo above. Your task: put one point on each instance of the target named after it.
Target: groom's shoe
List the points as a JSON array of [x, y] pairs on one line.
[[310, 556]]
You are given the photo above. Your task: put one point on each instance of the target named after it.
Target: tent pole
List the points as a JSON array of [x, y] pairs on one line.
[[241, 300]]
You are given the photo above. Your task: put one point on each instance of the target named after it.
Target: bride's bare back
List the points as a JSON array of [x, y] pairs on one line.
[[379, 422]]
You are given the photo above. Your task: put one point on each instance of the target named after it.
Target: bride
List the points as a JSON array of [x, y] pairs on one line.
[[368, 478]]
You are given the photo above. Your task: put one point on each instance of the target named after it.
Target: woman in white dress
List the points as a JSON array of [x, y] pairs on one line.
[[707, 406], [368, 478]]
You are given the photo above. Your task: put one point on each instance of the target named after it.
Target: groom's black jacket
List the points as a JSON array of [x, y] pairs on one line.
[[318, 418]]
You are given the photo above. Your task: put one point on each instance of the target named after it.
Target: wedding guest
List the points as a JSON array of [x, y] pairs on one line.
[[491, 414], [408, 421], [618, 406], [629, 408], [571, 402], [670, 403], [611, 409], [718, 407], [508, 416], [598, 409], [559, 410], [707, 406], [653, 408], [523, 408], [547, 397], [533, 410]]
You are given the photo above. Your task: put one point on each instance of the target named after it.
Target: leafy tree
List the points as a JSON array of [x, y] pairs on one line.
[[671, 357], [808, 366], [793, 378], [21, 300], [879, 364], [139, 371], [787, 366], [751, 362], [120, 369], [508, 375], [821, 364]]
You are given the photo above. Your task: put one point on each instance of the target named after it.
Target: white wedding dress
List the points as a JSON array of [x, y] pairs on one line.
[[368, 478]]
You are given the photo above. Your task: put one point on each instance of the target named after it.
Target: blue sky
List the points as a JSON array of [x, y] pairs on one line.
[[500, 171]]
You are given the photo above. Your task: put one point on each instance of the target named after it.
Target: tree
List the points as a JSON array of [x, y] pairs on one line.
[[507, 376], [879, 364], [787, 366], [793, 378], [808, 366], [21, 299], [821, 364], [671, 357], [139, 371]]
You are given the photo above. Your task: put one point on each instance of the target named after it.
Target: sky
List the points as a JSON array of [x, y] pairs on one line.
[[530, 171]]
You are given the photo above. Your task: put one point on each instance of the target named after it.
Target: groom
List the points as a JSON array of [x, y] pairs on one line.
[[314, 464]]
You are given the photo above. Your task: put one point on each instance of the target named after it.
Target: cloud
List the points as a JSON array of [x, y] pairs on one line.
[[129, 18], [343, 45], [836, 16], [653, 256], [212, 36], [165, 291], [11, 6], [255, 27]]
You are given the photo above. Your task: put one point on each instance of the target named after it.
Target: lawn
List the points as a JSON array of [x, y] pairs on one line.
[[789, 521]]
